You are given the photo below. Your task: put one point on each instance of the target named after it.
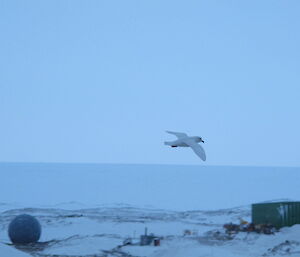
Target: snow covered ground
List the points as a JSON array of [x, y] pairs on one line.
[[11, 252], [89, 210]]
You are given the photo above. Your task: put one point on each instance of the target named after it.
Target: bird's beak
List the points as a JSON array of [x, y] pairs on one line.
[[202, 141]]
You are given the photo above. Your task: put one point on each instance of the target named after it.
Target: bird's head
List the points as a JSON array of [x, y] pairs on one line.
[[199, 139]]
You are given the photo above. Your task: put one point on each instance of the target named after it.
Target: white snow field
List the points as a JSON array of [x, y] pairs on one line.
[[90, 209], [11, 252]]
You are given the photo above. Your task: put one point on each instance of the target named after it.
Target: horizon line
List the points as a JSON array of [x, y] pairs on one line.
[[154, 164]]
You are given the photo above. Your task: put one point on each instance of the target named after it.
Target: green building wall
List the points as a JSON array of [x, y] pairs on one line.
[[279, 214]]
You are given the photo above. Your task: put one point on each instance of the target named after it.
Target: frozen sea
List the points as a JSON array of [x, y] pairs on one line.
[[89, 209]]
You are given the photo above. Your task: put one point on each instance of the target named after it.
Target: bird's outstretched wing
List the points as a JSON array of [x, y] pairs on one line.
[[177, 134], [196, 148]]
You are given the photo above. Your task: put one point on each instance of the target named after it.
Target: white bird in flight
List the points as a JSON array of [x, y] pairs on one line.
[[183, 140]]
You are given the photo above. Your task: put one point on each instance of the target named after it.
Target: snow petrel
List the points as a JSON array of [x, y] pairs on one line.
[[183, 140]]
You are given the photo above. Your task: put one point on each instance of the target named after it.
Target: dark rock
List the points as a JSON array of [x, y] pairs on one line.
[[24, 229]]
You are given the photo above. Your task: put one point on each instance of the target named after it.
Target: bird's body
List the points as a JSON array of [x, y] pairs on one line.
[[183, 140], [181, 143]]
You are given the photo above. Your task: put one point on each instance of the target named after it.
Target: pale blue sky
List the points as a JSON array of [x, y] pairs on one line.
[[100, 81]]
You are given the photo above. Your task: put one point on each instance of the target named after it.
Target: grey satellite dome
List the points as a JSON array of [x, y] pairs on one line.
[[24, 229]]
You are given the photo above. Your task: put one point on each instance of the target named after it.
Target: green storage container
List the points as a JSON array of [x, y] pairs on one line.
[[278, 214]]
